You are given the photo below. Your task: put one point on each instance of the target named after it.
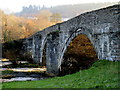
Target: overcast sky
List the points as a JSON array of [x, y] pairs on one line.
[[16, 5]]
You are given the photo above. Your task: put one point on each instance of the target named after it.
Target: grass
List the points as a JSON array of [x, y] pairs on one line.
[[102, 74]]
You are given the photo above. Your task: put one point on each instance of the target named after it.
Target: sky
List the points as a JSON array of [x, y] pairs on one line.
[[16, 5]]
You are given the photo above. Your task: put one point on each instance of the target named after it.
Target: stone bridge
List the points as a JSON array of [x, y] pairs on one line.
[[102, 27]]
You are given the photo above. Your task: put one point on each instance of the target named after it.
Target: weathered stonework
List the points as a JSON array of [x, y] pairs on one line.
[[100, 26]]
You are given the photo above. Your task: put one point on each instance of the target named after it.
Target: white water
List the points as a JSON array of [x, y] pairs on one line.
[[19, 79]]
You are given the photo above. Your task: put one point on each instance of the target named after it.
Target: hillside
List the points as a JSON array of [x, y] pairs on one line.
[[66, 11], [102, 74]]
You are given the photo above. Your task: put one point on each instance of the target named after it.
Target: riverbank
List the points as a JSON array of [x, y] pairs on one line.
[[102, 74]]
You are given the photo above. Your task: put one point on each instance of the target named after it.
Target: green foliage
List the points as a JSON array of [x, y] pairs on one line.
[[102, 74]]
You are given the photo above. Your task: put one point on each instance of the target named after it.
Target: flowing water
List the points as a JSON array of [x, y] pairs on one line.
[[21, 74]]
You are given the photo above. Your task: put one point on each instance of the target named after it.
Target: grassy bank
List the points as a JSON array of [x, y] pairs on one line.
[[102, 74]]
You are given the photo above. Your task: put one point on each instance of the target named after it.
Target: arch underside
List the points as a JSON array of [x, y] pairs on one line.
[[79, 54], [72, 37]]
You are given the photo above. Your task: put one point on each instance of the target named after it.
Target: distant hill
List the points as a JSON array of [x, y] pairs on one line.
[[66, 11]]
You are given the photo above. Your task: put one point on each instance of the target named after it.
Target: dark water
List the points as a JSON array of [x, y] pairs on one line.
[[23, 76]]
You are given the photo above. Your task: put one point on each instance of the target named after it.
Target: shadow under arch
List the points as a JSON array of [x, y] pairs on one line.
[[78, 54]]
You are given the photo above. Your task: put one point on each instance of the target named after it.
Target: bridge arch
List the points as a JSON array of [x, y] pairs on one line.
[[72, 36]]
